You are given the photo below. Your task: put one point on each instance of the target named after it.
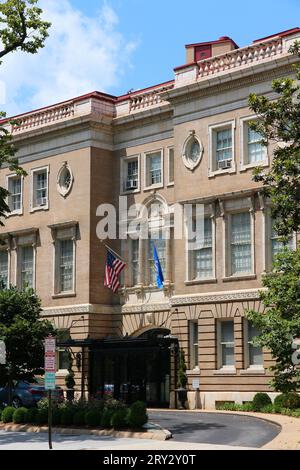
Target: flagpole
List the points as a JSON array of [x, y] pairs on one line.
[[112, 251]]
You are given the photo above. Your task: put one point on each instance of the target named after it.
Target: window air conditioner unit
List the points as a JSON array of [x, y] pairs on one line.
[[43, 201], [131, 184], [223, 164]]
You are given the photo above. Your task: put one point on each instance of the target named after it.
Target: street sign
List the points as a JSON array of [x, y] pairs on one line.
[[50, 345], [49, 380], [2, 353], [50, 364]]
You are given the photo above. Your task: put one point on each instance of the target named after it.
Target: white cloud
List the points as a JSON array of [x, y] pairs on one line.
[[82, 54]]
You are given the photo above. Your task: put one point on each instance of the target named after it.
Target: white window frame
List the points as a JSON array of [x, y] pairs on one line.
[[209, 212], [132, 284], [234, 207], [147, 156], [250, 367], [193, 361], [19, 264], [33, 173], [267, 239], [171, 147], [8, 178], [67, 231], [123, 175], [220, 366], [212, 163], [244, 158]]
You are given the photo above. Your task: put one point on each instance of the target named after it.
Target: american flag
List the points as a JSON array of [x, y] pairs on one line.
[[113, 268]]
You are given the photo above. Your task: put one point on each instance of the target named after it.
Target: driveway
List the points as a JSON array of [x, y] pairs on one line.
[[216, 428]]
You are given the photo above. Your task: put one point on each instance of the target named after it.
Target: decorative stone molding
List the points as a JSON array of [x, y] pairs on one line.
[[144, 308], [80, 308], [215, 298], [192, 151], [64, 180]]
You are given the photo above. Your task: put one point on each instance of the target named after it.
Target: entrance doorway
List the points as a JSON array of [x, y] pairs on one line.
[[131, 369]]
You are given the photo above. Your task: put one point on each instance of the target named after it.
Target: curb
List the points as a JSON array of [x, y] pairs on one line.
[[159, 434]]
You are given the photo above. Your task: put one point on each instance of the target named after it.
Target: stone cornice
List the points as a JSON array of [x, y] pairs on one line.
[[80, 309], [143, 308], [215, 298]]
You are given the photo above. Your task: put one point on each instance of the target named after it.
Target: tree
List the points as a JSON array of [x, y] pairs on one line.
[[24, 332], [279, 123], [21, 28]]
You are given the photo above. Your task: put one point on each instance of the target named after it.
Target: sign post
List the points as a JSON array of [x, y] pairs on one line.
[[50, 368]]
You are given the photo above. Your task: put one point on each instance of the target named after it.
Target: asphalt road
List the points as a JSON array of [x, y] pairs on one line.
[[216, 428]]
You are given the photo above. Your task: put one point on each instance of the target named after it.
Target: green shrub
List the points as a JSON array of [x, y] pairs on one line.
[[79, 418], [137, 414], [43, 403], [1, 415], [66, 417], [247, 406], [32, 415], [289, 400], [92, 418], [119, 418], [267, 409], [226, 406], [56, 416], [20, 415], [42, 416], [106, 417], [7, 414], [260, 400]]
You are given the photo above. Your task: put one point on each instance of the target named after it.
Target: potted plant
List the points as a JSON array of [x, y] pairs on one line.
[[181, 380]]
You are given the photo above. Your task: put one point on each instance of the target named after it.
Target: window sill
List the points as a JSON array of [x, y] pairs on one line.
[[245, 277], [64, 294], [192, 372], [39, 208], [212, 174], [170, 184], [250, 166], [153, 186], [253, 371], [200, 281], [14, 213], [225, 371], [130, 191]]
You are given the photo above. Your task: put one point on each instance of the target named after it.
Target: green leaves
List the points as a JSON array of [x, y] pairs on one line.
[[23, 29]]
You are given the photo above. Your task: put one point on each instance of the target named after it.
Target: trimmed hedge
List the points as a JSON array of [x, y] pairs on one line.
[[106, 418], [66, 417], [7, 414], [20, 415], [92, 418], [42, 416], [79, 418], [32, 415], [260, 400], [289, 400], [137, 414], [119, 418]]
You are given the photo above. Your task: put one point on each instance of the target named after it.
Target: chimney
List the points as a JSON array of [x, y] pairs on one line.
[[205, 50]]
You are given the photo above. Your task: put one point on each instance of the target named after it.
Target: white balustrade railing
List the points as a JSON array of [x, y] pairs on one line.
[[240, 57], [46, 116], [148, 98]]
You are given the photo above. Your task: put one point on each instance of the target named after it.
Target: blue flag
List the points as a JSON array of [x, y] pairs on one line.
[[159, 273]]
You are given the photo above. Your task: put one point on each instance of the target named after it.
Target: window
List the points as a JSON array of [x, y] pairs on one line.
[[63, 354], [15, 196], [202, 253], [193, 342], [252, 150], [277, 245], [192, 151], [3, 269], [255, 355], [171, 166], [159, 242], [134, 262], [240, 243], [64, 180], [221, 148], [154, 169], [40, 189], [132, 177], [256, 151], [26, 266], [226, 343], [66, 265]]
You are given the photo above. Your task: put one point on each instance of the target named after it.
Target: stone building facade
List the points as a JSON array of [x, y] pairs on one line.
[[186, 141]]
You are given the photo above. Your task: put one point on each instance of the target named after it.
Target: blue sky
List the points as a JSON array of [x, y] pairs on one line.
[[117, 45]]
